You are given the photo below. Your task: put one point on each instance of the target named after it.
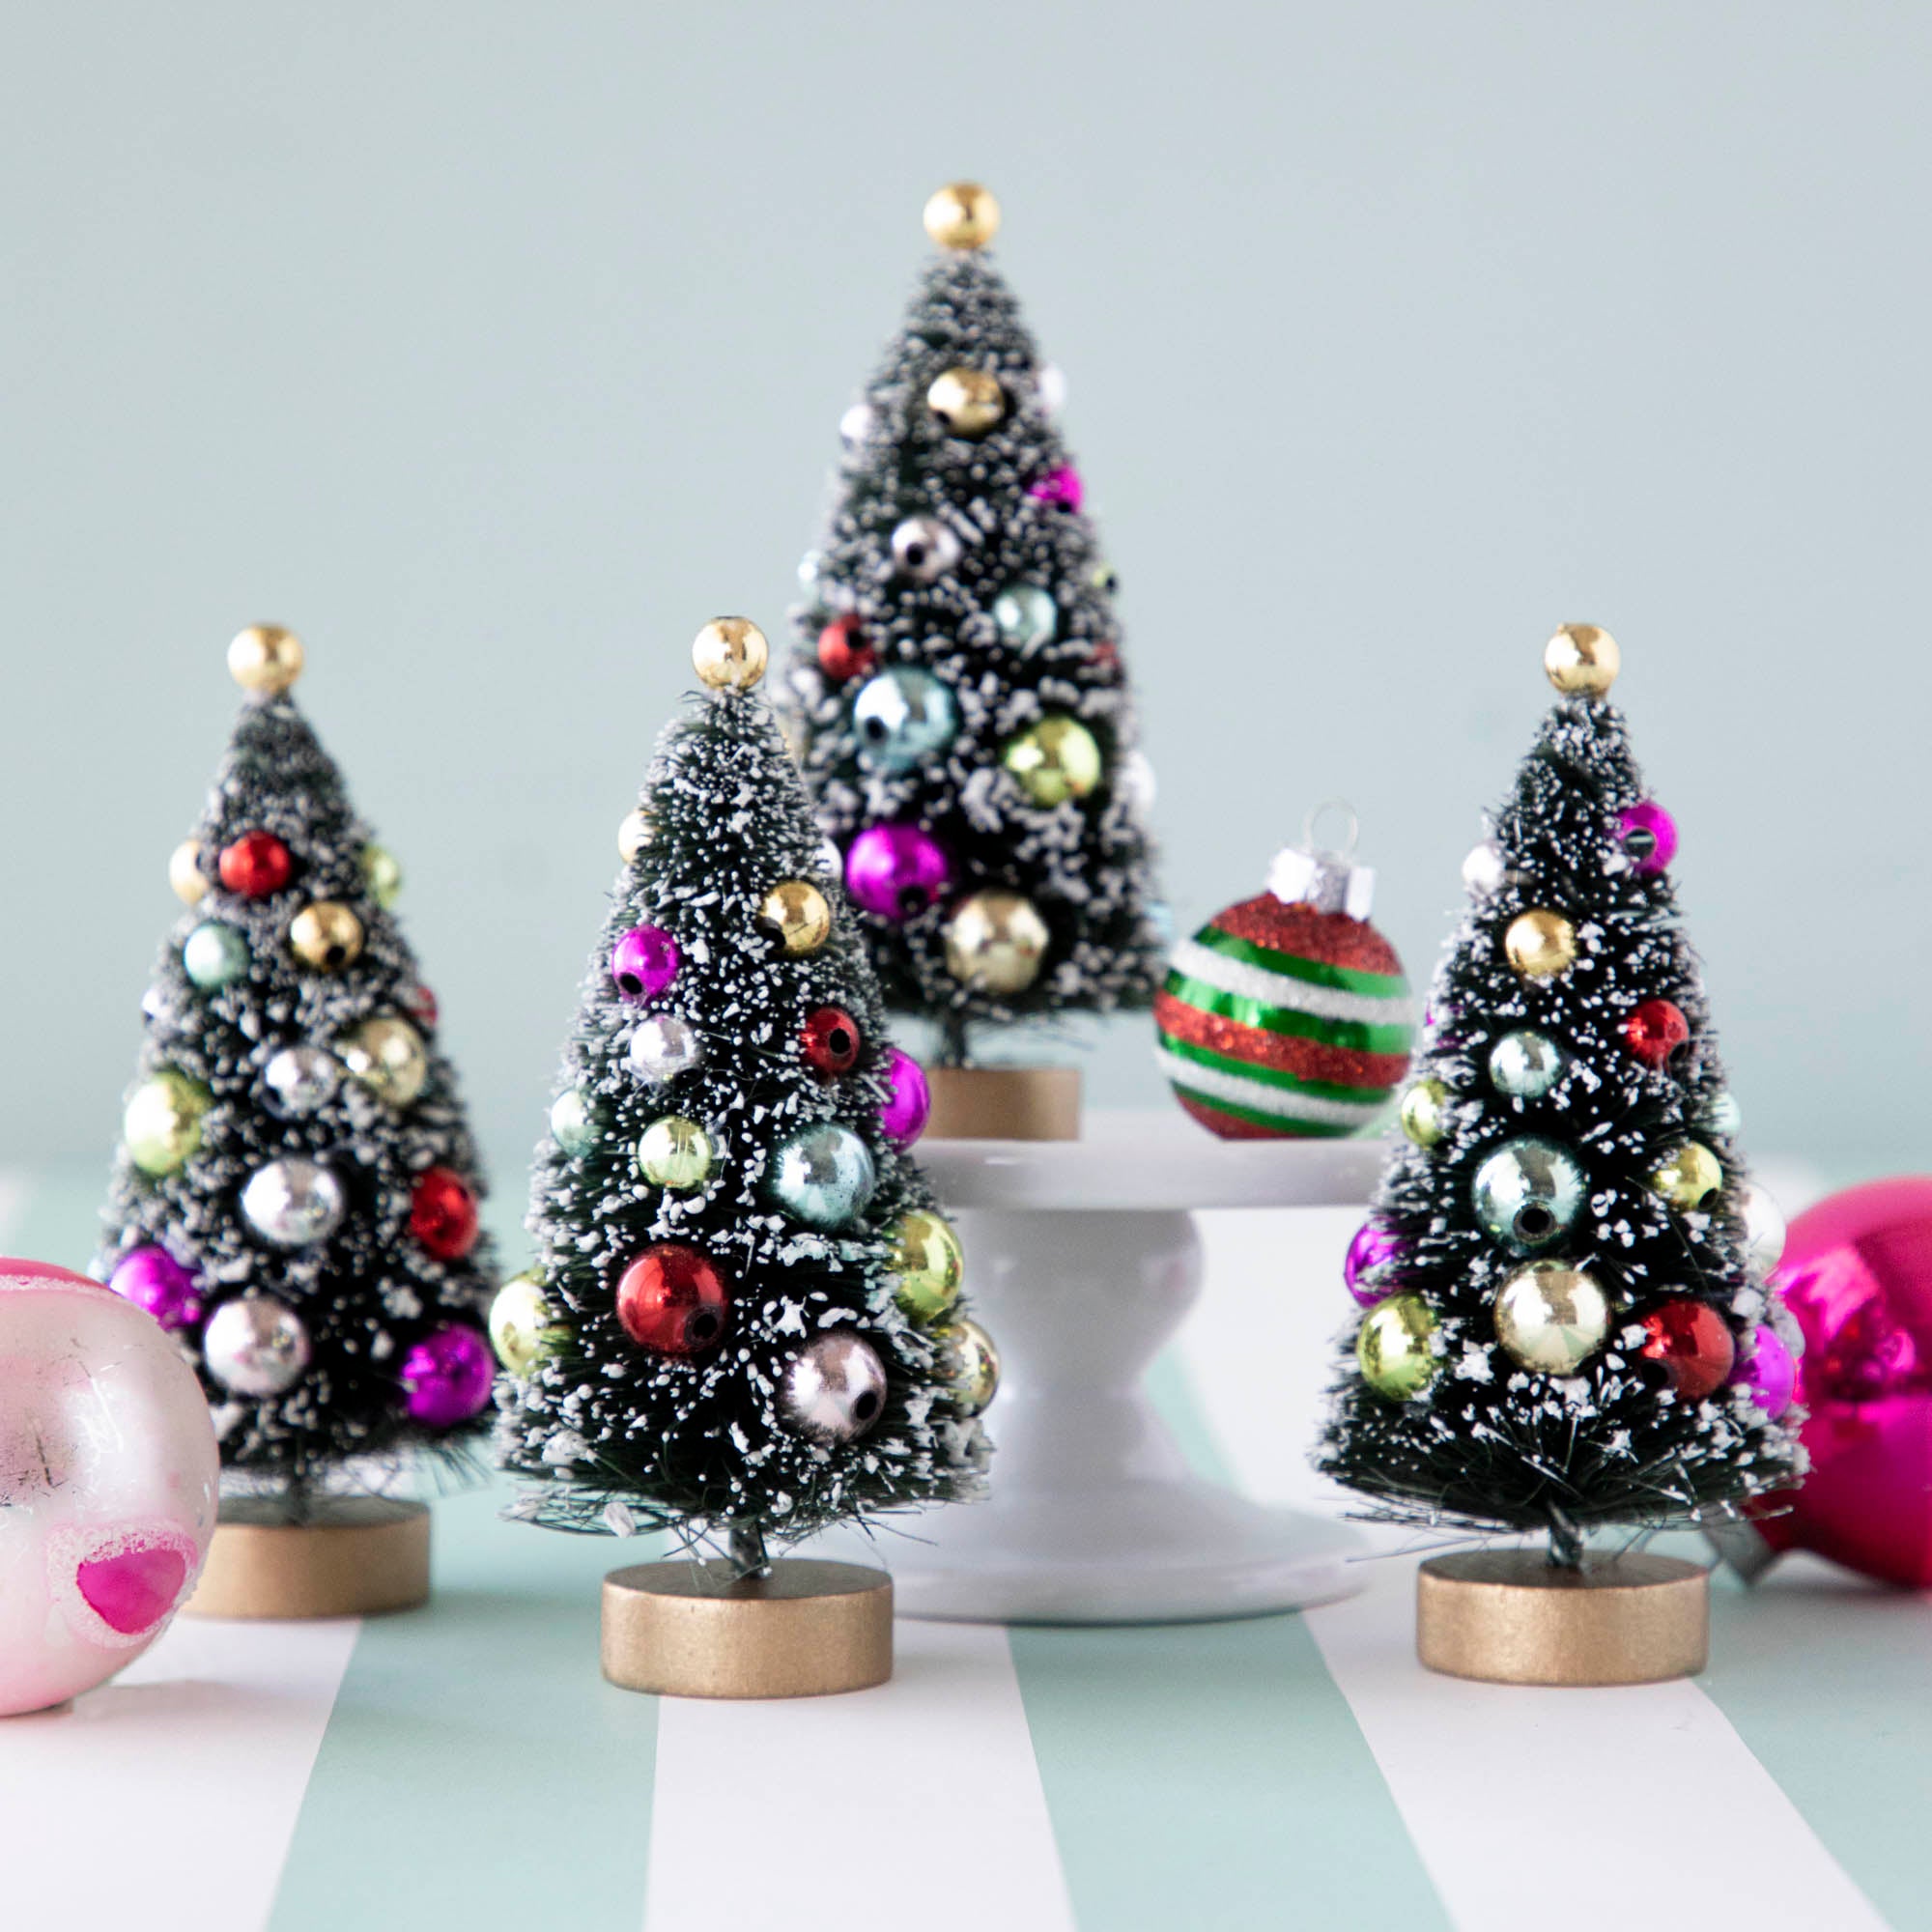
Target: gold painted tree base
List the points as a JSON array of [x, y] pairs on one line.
[[354, 1556], [1510, 1616], [1004, 1103], [806, 1628]]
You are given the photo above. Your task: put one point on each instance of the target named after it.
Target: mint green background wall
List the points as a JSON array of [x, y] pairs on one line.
[[495, 347]]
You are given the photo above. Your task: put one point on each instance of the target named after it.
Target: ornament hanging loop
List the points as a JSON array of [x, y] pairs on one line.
[[1321, 876]]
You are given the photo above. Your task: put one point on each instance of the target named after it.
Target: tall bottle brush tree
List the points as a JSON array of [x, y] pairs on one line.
[[744, 1323], [959, 706], [295, 1195], [1566, 1322]]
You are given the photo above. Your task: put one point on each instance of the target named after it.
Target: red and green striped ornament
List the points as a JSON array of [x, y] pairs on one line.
[[1287, 1015]]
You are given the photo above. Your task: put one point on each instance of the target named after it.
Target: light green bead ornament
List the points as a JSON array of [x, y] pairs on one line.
[[674, 1152], [1421, 1109], [162, 1122], [382, 875], [573, 1122], [927, 1264], [1394, 1346], [1054, 760], [521, 1327], [215, 955], [1026, 616]]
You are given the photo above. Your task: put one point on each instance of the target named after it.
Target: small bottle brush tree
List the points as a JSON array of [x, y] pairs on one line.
[[1565, 1319], [744, 1323], [959, 706], [295, 1192]]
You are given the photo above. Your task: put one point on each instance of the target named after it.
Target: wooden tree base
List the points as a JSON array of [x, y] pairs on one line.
[[805, 1629], [1510, 1616], [355, 1556], [1004, 1103]]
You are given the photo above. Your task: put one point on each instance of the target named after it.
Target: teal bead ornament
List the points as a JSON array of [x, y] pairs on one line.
[[1026, 616], [903, 717], [824, 1175], [215, 955], [573, 1120], [1525, 1065], [1529, 1193]]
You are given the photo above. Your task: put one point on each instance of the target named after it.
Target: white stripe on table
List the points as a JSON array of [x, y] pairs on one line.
[[203, 1744], [950, 1833]]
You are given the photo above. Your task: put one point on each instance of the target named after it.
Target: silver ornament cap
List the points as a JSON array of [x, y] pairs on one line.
[[1328, 880]]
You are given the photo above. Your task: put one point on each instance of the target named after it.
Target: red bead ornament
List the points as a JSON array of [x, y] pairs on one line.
[[1656, 1032], [1693, 1342], [420, 1003], [256, 865], [444, 1216], [843, 652], [673, 1299], [831, 1042]]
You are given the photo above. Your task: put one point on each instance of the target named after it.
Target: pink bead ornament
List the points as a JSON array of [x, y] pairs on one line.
[[446, 1377], [908, 1101], [1062, 488], [1368, 1253], [644, 962], [1648, 834], [109, 1480], [896, 872]]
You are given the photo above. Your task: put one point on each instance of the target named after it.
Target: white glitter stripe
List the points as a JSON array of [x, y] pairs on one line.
[[1282, 1102], [1277, 989]]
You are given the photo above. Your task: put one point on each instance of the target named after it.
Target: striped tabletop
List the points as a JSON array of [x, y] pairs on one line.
[[465, 1765]]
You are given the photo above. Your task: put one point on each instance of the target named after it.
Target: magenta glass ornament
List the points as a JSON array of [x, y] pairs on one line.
[[908, 1099], [1373, 1249], [1649, 833], [1060, 487], [896, 872], [152, 1279], [644, 962], [446, 1377], [1770, 1371]]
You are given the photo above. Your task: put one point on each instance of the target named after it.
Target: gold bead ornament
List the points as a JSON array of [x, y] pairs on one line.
[[1422, 1112], [1394, 1347], [386, 1055], [1688, 1178], [962, 215], [1541, 943], [185, 873], [974, 1363], [801, 914], [969, 402], [266, 659], [1581, 661], [327, 936], [927, 1264], [730, 654], [521, 1331], [635, 830], [1551, 1318], [995, 942], [1054, 760]]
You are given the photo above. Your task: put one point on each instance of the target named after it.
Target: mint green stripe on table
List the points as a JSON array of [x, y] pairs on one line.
[[1212, 1773]]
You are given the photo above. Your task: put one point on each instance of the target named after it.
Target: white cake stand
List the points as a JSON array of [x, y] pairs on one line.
[[1082, 1258]]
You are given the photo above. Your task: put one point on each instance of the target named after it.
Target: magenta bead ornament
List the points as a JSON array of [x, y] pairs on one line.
[[908, 1101], [643, 962], [152, 1279], [446, 1377], [1062, 488], [1648, 836], [1768, 1371], [896, 872], [1372, 1251]]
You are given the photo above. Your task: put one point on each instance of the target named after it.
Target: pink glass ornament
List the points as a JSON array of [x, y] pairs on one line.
[[1768, 1371], [447, 1375], [896, 872], [1060, 487], [644, 962], [108, 1484], [152, 1279], [1373, 1249], [1655, 832], [908, 1101]]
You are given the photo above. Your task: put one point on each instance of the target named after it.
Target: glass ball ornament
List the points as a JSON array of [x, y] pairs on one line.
[[824, 1174], [573, 1122], [1764, 1230], [925, 1262], [995, 942], [896, 871], [962, 215], [109, 1492], [420, 1003], [294, 1203], [663, 1046], [1369, 1263], [1134, 780], [1551, 1318], [1768, 1369], [215, 955], [908, 1101], [830, 1042], [1688, 1178], [446, 1377], [266, 659], [1485, 869], [970, 403], [924, 550], [674, 1300], [1581, 661], [1395, 1346], [151, 1278], [730, 654], [1540, 944], [299, 1080], [643, 962], [974, 1363], [1691, 1343], [161, 1122], [1052, 760], [799, 912], [382, 875], [809, 567], [843, 653], [522, 1331], [386, 1055], [857, 424], [1026, 616], [902, 717], [1524, 1064], [1059, 489], [1723, 1115], [444, 1214], [833, 1388], [637, 831], [186, 878], [1648, 837], [1424, 1112], [1528, 1193], [1049, 385], [675, 1153], [256, 1345], [1656, 1032], [325, 936], [255, 864]]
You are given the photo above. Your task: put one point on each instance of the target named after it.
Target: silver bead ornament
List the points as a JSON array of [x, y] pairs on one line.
[[1524, 1064], [924, 550], [299, 1080], [824, 1174], [1764, 1230], [663, 1046], [1485, 869], [1528, 1193], [902, 717], [1026, 616], [834, 1389], [255, 1346], [294, 1203]]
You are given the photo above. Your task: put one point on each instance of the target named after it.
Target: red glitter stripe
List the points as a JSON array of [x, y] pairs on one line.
[[1331, 937]]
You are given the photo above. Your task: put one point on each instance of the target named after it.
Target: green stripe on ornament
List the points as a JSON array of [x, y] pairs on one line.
[[1312, 972], [1353, 1034], [1372, 1091], [1259, 1116]]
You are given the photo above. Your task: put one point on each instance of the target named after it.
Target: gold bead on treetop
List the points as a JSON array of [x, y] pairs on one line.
[[1581, 661], [962, 215], [730, 654], [266, 659]]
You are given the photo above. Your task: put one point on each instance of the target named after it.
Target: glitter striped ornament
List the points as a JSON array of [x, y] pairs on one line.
[[1287, 1015]]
